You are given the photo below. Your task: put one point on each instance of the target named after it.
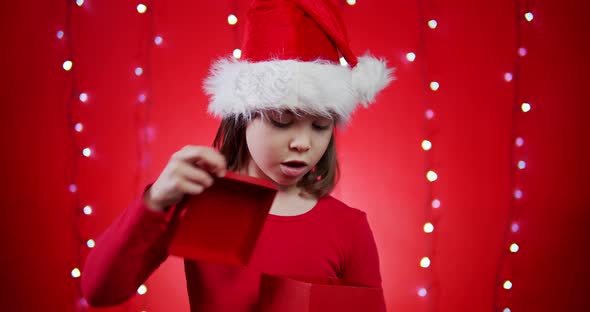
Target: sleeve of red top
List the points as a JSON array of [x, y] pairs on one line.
[[362, 264], [126, 254]]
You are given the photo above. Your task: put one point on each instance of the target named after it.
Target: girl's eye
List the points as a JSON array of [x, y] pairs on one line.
[[321, 127], [279, 124]]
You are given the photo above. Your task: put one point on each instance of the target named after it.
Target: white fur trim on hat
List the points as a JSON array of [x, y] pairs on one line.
[[319, 88]]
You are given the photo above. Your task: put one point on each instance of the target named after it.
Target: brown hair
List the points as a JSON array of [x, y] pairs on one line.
[[230, 140]]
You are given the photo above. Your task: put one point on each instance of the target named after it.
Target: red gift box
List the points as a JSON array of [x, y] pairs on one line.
[[316, 294], [223, 223]]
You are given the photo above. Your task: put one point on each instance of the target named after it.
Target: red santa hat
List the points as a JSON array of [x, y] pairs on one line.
[[291, 61]]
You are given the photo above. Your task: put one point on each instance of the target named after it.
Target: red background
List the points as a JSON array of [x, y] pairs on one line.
[[384, 168]]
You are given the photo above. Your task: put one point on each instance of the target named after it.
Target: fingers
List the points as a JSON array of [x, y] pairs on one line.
[[193, 174], [205, 157]]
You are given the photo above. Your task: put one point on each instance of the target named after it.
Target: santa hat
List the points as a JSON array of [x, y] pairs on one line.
[[291, 61]]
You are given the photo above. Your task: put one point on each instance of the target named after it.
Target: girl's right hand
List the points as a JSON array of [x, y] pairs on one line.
[[189, 171]]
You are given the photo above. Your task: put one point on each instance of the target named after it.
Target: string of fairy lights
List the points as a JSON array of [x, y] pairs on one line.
[[520, 107], [77, 128]]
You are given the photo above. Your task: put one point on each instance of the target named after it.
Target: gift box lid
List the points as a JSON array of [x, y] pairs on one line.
[[223, 223]]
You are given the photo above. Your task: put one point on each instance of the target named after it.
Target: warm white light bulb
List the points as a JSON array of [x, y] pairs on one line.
[[507, 284], [425, 262], [519, 141], [426, 145], [506, 310], [67, 65], [514, 247], [72, 188], [87, 152], [138, 71], [435, 203], [432, 24], [514, 227], [521, 164], [75, 273], [83, 97], [142, 289], [79, 127], [529, 16], [158, 40], [522, 51], [526, 107], [141, 98], [431, 176], [232, 19], [434, 86], [429, 114], [517, 194], [237, 53], [90, 243], [422, 292], [60, 34], [411, 56], [79, 2], [428, 227], [141, 8], [351, 2], [87, 210]]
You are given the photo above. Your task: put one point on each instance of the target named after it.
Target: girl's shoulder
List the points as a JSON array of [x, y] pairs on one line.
[[340, 210]]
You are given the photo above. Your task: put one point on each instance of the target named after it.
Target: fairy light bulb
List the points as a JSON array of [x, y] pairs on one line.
[[529, 16], [431, 176], [83, 97], [508, 77], [517, 194], [90, 243], [75, 273], [422, 292], [158, 40], [522, 51], [351, 2], [141, 8], [411, 56], [514, 248], [425, 262], [507, 285], [142, 289], [78, 127], [59, 34], [432, 24], [87, 152], [232, 19], [67, 65], [525, 107], [426, 145], [506, 310], [79, 2], [141, 97], [514, 227], [519, 141], [434, 86], [521, 164], [429, 114], [428, 227], [72, 188], [435, 203], [237, 53], [87, 210], [138, 71]]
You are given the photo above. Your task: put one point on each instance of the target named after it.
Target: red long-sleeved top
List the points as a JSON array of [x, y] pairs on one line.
[[331, 240]]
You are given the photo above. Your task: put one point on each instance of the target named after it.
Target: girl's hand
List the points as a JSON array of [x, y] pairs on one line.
[[189, 171]]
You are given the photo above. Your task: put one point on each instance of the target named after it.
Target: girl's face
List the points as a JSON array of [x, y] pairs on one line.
[[284, 147]]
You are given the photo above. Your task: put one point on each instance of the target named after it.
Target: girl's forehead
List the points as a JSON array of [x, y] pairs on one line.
[[299, 114]]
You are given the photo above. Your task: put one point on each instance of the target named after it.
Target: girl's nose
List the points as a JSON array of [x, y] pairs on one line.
[[301, 142]]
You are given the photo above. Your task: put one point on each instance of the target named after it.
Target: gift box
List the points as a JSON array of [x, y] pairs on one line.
[[223, 223], [316, 294]]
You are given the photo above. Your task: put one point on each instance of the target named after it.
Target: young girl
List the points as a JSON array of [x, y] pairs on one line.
[[279, 109]]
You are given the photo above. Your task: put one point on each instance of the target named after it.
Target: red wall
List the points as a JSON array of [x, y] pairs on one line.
[[383, 164]]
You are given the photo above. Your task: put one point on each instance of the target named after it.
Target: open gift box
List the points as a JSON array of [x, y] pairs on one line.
[[223, 223], [316, 294]]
